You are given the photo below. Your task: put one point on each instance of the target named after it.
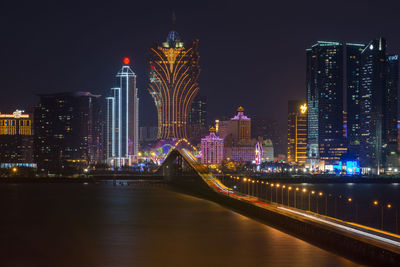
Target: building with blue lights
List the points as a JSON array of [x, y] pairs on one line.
[[122, 119]]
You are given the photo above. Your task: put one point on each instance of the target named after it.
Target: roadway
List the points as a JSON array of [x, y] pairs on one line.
[[378, 238]]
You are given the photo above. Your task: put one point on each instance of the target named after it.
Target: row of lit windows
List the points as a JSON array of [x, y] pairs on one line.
[[14, 122]]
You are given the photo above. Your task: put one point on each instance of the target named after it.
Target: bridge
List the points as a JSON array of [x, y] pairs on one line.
[[368, 244]]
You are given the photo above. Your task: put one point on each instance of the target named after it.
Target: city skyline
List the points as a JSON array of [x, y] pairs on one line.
[[200, 133], [260, 73]]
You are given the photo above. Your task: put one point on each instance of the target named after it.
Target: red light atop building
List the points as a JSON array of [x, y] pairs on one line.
[[126, 60]]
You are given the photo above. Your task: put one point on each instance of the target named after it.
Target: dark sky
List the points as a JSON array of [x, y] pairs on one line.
[[252, 53]]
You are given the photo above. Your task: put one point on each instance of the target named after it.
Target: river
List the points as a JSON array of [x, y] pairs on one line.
[[138, 225]]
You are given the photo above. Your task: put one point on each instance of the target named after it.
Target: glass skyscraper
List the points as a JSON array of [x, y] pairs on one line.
[[198, 111], [122, 119], [353, 72], [324, 83], [67, 132], [390, 108], [373, 79], [379, 85]]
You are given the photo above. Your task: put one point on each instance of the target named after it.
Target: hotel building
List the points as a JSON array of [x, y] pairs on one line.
[[122, 119], [174, 74], [16, 140], [212, 148]]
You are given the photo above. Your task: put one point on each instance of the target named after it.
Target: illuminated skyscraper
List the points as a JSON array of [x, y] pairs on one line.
[[122, 119], [173, 84], [197, 119], [240, 127], [353, 74], [379, 85], [324, 82], [390, 110], [198, 111], [297, 132], [67, 132]]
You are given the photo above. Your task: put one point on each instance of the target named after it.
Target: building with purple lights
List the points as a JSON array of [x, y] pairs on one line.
[[240, 127], [212, 148], [238, 145]]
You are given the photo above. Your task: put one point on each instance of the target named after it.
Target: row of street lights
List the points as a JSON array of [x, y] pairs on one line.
[[311, 193], [388, 206]]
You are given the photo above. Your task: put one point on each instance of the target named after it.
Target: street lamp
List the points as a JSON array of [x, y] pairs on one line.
[[272, 185], [295, 198], [283, 187], [320, 194], [276, 193], [288, 195], [309, 201], [376, 204], [389, 206], [350, 200], [302, 198]]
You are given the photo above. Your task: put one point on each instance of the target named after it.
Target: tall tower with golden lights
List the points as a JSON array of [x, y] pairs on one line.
[[174, 74]]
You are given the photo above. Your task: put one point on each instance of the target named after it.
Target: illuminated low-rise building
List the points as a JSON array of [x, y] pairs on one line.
[[212, 148], [268, 128], [297, 132], [16, 139], [240, 153], [268, 151]]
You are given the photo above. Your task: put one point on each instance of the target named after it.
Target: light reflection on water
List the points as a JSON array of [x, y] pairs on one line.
[[138, 225]]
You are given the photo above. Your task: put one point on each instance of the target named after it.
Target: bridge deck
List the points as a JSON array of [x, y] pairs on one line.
[[381, 239]]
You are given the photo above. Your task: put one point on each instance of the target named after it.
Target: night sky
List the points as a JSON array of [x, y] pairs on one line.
[[252, 53]]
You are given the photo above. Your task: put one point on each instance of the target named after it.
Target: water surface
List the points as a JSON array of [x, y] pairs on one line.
[[138, 225]]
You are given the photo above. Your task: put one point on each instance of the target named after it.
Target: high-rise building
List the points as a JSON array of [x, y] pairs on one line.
[[67, 132], [297, 132], [238, 145], [390, 131], [268, 128], [197, 127], [16, 142], [148, 133], [122, 119], [198, 111], [240, 127], [174, 73], [324, 82], [212, 148], [353, 74], [379, 82]]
